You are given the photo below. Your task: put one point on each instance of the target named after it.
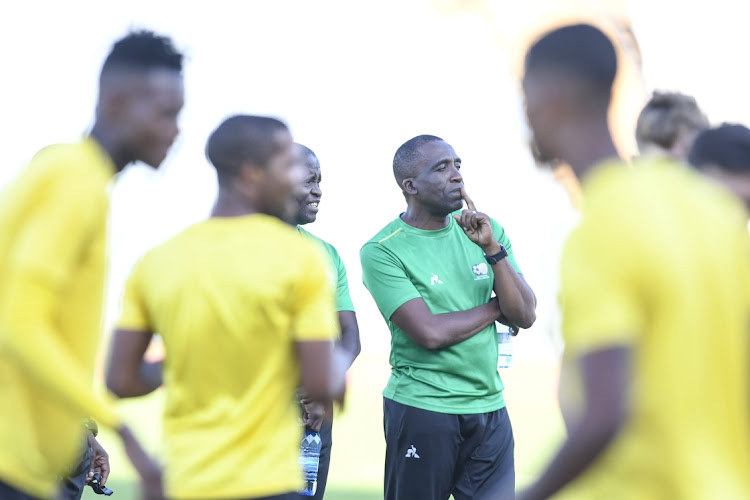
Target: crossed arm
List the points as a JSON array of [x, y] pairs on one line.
[[435, 331]]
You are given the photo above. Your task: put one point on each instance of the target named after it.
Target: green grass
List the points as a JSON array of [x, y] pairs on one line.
[[358, 445]]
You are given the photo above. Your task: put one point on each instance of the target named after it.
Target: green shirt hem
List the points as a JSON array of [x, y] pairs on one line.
[[451, 410]]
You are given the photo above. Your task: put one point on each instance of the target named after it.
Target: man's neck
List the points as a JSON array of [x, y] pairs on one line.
[[421, 219], [587, 145], [108, 140], [230, 204]]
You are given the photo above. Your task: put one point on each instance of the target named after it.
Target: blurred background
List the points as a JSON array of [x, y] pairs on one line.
[[355, 80]]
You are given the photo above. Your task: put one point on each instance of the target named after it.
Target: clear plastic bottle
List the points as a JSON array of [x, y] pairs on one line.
[[504, 347], [309, 460]]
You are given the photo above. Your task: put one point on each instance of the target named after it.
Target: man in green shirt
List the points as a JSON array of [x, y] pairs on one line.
[[318, 415], [432, 272]]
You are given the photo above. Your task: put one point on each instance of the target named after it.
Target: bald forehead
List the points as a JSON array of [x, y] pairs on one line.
[[435, 152], [303, 156]]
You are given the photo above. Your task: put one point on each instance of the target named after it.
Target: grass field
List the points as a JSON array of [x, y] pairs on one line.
[[358, 444]]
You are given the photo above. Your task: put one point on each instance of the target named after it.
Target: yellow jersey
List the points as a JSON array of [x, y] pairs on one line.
[[661, 263], [52, 267], [231, 297]]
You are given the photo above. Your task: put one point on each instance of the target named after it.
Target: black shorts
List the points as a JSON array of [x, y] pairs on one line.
[[430, 455]]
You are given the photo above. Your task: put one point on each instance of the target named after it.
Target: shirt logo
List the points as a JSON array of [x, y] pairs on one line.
[[412, 452], [481, 270], [435, 280]]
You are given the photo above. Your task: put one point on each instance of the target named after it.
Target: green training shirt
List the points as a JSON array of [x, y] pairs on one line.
[[449, 271], [337, 274]]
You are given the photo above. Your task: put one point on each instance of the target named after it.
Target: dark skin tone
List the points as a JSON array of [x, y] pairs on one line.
[[256, 189], [137, 115], [308, 195], [578, 134], [136, 120], [433, 192], [603, 417]]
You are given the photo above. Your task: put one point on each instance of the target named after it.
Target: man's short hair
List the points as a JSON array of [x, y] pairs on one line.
[[311, 159], [143, 50], [407, 156], [726, 146], [581, 52], [242, 140], [667, 116]]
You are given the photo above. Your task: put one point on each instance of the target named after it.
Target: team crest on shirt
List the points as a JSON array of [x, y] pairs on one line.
[[481, 271]]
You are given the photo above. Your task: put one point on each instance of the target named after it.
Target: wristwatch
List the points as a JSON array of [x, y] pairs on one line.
[[494, 259]]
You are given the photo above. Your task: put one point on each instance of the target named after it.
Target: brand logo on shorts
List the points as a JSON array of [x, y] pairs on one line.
[[412, 452], [481, 270], [435, 280]]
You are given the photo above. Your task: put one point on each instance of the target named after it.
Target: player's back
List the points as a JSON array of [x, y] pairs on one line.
[[677, 255], [52, 259], [226, 295]]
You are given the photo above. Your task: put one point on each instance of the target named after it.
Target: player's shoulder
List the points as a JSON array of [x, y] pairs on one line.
[[325, 244], [81, 156], [387, 235], [385, 241], [607, 184], [82, 166]]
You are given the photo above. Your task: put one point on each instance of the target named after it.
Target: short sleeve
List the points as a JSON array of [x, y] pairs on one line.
[[502, 237], [599, 293], [313, 311], [133, 311], [343, 299], [385, 277]]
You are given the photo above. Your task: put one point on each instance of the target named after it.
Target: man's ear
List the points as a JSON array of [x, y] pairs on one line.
[[408, 186], [252, 174], [112, 103]]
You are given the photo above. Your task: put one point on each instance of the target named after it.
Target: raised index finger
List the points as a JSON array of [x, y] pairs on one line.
[[469, 203]]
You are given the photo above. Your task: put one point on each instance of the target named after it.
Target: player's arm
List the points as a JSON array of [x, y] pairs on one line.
[[322, 369], [349, 340], [606, 373], [44, 261], [517, 300], [322, 363], [435, 331], [128, 374]]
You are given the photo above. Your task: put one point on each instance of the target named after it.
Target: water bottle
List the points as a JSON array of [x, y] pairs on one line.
[[309, 459], [504, 348]]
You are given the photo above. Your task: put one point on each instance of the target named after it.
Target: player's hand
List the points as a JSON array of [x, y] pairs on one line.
[[148, 470], [514, 329], [99, 461], [477, 226], [314, 414]]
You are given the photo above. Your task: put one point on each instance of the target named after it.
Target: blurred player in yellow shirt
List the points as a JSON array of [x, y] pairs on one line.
[[655, 298], [52, 266], [246, 311]]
